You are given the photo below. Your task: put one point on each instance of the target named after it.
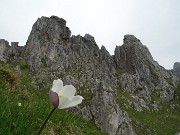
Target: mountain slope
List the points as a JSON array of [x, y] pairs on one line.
[[125, 93], [35, 106]]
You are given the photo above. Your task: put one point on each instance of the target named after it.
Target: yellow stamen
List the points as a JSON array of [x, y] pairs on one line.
[[61, 96]]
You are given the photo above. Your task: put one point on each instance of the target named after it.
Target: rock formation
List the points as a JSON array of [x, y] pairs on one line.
[[176, 69], [4, 45], [51, 52], [141, 74]]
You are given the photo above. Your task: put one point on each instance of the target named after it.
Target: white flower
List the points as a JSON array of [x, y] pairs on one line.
[[63, 96], [19, 104]]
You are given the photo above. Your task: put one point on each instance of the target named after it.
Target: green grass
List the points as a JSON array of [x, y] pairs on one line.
[[170, 81], [119, 72], [27, 119], [157, 123], [163, 122], [155, 95], [123, 99]]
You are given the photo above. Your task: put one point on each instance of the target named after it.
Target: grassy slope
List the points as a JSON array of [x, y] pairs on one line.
[[27, 119], [164, 122]]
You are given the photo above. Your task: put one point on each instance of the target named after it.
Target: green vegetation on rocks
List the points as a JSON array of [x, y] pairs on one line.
[[163, 122]]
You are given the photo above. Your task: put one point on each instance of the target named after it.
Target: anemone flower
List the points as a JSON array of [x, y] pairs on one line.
[[63, 96]]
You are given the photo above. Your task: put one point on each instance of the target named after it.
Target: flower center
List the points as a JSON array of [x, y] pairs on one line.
[[61, 96]]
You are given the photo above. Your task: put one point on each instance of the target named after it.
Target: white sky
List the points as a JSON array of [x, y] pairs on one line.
[[155, 22]]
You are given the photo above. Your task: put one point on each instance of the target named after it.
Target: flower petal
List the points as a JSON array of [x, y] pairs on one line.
[[62, 102], [73, 102], [76, 100], [57, 85], [68, 91]]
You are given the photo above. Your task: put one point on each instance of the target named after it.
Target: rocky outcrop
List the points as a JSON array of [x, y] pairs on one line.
[[79, 61], [51, 52], [134, 58], [44, 40], [176, 69], [15, 52], [4, 45], [106, 112], [70, 54], [10, 52], [141, 75]]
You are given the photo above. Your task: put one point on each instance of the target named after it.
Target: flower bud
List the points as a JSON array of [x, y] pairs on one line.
[[54, 99]]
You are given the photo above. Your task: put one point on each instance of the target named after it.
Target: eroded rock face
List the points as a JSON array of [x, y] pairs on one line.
[[107, 114], [142, 75], [46, 37], [65, 55]]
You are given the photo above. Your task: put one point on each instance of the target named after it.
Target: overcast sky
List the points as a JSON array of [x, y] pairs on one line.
[[155, 22]]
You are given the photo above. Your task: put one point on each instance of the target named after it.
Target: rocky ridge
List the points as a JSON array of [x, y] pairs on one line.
[[51, 52]]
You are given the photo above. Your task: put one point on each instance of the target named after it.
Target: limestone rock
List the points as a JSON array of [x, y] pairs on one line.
[[43, 43], [140, 73], [176, 69], [4, 45], [10, 53], [107, 114], [15, 52]]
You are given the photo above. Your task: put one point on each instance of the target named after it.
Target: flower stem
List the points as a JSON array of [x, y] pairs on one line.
[[49, 115]]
